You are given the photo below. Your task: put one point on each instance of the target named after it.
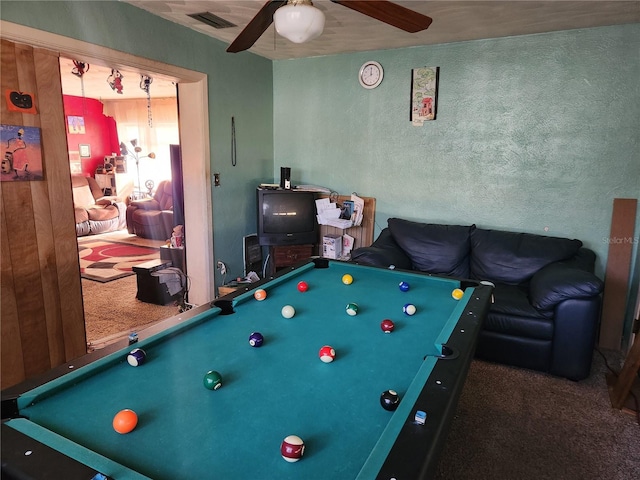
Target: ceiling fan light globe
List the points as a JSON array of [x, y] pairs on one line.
[[299, 23]]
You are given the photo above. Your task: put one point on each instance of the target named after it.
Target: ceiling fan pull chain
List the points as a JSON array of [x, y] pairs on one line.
[[234, 155]]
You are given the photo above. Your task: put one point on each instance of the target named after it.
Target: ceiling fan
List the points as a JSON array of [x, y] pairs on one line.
[[387, 12]]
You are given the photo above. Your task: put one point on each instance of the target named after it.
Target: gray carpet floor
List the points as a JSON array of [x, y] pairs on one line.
[[519, 424]]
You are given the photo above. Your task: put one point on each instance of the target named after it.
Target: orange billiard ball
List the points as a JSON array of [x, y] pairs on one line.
[[125, 421], [260, 294]]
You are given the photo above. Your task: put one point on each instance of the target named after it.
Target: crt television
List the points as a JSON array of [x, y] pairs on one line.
[[286, 217]]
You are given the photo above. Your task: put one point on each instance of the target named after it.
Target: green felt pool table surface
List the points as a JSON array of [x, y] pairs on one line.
[[267, 393]]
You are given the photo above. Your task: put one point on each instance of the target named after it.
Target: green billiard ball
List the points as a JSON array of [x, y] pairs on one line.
[[352, 309], [212, 380]]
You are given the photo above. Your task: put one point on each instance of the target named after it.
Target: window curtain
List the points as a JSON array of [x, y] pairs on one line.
[[132, 121]]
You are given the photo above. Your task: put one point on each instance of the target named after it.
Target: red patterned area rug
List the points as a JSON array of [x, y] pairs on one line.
[[104, 261]]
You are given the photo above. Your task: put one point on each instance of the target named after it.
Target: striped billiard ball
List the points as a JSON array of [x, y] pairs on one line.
[[327, 354], [136, 357], [292, 448], [352, 309], [409, 309]]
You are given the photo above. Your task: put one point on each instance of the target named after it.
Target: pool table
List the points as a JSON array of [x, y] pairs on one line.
[[282, 388]]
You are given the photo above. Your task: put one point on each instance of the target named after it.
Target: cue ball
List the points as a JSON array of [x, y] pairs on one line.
[[136, 357], [457, 293], [352, 309], [303, 286], [403, 286], [389, 400], [327, 354], [347, 279], [292, 448], [288, 311], [387, 325], [409, 309], [125, 421], [212, 380], [256, 339], [260, 294]]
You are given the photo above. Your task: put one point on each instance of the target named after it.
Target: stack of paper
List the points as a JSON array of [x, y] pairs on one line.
[[347, 216]]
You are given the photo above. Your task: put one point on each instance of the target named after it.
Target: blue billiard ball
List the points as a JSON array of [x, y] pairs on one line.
[[409, 309], [404, 286], [136, 357], [256, 339]]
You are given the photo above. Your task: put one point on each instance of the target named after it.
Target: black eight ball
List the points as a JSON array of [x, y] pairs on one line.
[[389, 400]]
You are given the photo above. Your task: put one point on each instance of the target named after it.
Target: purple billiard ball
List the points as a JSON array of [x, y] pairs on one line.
[[136, 357], [403, 286], [389, 399], [256, 339]]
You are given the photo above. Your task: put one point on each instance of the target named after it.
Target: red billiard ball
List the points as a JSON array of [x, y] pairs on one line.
[[387, 325], [303, 286], [327, 354], [292, 448], [389, 399]]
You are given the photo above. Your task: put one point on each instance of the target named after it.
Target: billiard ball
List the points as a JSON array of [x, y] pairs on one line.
[[212, 380], [403, 286], [136, 357], [327, 354], [288, 311], [303, 286], [347, 279], [256, 339], [292, 448], [260, 294], [409, 309], [352, 309], [457, 293], [389, 400], [125, 421], [387, 325]]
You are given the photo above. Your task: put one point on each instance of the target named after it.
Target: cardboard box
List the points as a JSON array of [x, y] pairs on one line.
[[332, 246]]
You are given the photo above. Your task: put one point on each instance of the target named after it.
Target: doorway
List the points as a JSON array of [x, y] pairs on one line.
[[194, 138], [122, 139]]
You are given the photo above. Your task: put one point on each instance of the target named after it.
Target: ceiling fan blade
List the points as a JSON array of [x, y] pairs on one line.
[[390, 13], [256, 27]]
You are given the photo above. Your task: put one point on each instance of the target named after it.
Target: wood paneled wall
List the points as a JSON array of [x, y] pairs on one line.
[[42, 319]]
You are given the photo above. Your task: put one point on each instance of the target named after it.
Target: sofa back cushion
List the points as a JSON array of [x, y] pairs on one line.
[[433, 248], [513, 258]]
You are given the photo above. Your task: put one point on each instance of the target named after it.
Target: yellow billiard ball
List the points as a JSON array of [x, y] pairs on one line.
[[347, 279], [457, 293]]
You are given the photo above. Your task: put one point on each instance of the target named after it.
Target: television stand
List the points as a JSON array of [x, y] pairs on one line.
[[287, 255]]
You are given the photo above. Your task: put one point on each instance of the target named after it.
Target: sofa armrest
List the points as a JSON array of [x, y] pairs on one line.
[[146, 204], [557, 282], [384, 252]]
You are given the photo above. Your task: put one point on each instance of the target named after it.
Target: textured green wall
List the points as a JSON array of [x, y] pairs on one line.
[[240, 85], [535, 133]]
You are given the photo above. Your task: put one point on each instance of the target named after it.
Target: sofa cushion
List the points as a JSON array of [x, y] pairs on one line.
[[82, 196], [513, 258], [556, 283], [100, 213], [512, 314], [438, 249]]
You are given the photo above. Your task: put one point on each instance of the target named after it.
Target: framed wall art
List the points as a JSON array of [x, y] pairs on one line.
[[424, 94], [22, 159]]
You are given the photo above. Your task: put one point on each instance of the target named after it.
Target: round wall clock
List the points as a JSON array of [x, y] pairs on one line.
[[370, 75]]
